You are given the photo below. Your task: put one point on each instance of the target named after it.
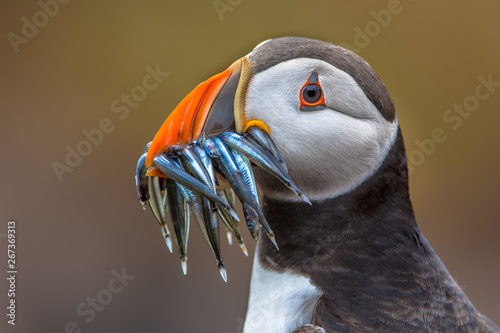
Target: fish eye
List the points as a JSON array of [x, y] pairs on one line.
[[311, 95]]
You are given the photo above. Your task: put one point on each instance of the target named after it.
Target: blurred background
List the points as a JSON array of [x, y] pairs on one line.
[[63, 71]]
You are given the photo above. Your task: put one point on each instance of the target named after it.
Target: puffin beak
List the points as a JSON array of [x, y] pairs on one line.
[[213, 107]]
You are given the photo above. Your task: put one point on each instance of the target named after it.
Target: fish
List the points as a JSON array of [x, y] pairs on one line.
[[141, 181], [210, 213], [156, 205], [230, 223], [193, 163], [254, 154], [179, 216], [202, 179], [234, 176], [172, 171], [252, 220], [259, 136], [207, 163], [195, 204]]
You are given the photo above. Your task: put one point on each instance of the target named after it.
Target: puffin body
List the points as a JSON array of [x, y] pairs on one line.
[[354, 260]]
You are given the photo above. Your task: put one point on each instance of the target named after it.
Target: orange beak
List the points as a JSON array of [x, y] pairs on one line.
[[213, 107]]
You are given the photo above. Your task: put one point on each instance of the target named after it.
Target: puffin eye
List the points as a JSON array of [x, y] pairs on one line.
[[311, 95]]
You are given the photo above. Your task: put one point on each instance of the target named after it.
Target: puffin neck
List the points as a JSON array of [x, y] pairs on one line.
[[330, 233], [364, 251]]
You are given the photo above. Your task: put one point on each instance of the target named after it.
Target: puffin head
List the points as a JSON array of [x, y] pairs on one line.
[[325, 108]]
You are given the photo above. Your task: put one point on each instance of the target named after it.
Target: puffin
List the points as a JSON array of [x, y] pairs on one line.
[[351, 257]]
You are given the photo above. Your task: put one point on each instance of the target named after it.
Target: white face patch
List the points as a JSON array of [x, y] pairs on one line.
[[279, 302], [328, 152]]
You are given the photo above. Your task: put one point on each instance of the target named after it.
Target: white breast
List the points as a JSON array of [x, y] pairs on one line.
[[279, 302]]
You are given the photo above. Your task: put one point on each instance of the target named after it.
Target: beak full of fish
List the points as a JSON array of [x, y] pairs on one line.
[[203, 180]]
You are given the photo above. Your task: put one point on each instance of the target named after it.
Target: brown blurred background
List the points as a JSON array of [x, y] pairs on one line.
[[63, 80]]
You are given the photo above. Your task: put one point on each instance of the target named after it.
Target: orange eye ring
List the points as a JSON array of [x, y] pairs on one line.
[[312, 97]]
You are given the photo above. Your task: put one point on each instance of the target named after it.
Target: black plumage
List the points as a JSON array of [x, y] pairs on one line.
[[366, 254]]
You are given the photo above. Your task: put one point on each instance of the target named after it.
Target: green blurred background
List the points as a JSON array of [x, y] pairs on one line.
[[72, 234]]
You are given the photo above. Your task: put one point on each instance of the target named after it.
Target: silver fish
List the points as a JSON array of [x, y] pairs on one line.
[[231, 225], [256, 155], [203, 178], [210, 213], [141, 181], [251, 216], [197, 210], [230, 197], [233, 175], [207, 163], [194, 164], [163, 184], [171, 170], [229, 235], [262, 138], [246, 172], [252, 220], [179, 216], [156, 205]]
